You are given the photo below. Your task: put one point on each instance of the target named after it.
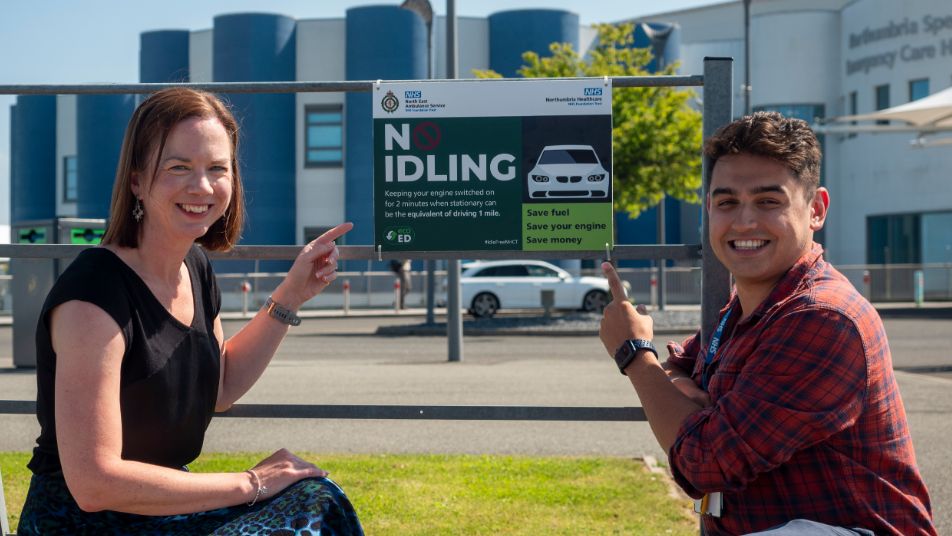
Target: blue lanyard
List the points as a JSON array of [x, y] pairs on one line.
[[712, 349]]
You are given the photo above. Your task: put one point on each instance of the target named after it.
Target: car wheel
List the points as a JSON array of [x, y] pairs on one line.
[[595, 301], [484, 305]]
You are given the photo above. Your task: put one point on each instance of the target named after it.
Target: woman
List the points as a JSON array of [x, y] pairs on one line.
[[132, 360]]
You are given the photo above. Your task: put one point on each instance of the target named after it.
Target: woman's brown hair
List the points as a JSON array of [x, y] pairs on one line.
[[145, 136]]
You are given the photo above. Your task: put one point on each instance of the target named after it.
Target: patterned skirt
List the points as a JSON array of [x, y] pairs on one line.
[[315, 506]]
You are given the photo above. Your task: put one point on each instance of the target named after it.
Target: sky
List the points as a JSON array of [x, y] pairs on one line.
[[97, 41]]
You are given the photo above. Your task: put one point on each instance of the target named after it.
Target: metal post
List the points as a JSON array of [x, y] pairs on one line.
[[396, 296], [654, 289], [346, 297], [430, 291], [254, 283], [662, 300], [454, 320], [746, 57], [715, 279], [919, 287], [367, 278], [245, 289]]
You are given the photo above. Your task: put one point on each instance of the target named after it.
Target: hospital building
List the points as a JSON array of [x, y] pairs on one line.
[[307, 157]]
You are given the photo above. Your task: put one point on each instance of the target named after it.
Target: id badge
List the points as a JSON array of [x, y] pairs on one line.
[[710, 505]]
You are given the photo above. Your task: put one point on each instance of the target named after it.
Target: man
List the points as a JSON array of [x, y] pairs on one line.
[[790, 419], [401, 267]]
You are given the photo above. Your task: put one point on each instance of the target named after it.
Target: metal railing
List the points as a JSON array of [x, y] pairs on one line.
[[715, 280], [899, 282]]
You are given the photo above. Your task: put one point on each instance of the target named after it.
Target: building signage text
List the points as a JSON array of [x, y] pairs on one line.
[[930, 25]]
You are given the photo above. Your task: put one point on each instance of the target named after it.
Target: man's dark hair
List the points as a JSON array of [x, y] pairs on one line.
[[771, 135]]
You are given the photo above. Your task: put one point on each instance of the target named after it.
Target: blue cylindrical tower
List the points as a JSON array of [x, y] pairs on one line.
[[163, 56], [387, 43], [100, 124], [33, 158], [513, 32], [259, 47]]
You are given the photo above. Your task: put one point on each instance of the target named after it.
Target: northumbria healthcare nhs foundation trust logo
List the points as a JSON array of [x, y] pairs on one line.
[[389, 103]]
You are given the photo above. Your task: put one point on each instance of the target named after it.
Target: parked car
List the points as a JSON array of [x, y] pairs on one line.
[[568, 171], [488, 286]]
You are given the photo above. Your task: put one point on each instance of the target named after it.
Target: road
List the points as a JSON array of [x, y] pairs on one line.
[[340, 361]]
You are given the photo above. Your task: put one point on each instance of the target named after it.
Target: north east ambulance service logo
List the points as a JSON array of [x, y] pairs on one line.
[[389, 102]]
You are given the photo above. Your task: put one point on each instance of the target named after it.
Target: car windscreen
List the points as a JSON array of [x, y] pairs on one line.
[[568, 156]]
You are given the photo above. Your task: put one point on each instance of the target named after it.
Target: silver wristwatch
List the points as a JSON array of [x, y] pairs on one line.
[[281, 314]]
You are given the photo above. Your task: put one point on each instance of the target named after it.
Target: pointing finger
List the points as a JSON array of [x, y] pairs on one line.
[[335, 233], [614, 282]]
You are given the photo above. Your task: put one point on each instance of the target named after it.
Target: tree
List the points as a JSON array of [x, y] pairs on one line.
[[656, 135]]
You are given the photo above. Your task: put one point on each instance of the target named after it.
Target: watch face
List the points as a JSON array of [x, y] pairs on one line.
[[629, 349]]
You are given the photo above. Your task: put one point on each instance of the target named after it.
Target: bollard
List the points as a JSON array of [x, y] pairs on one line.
[[867, 285], [396, 295], [346, 297], [919, 286], [654, 291], [547, 299], [245, 289]]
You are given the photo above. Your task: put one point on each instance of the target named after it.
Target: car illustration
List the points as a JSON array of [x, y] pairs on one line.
[[488, 286], [566, 172]]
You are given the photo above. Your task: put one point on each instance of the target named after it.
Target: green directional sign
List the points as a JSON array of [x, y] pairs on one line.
[[35, 235], [499, 165], [86, 236]]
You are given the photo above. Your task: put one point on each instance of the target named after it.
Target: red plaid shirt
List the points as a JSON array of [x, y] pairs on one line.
[[806, 421]]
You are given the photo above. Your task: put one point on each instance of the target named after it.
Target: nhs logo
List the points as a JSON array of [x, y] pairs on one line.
[[593, 91], [415, 94]]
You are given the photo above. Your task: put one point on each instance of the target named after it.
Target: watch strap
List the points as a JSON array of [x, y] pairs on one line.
[[281, 313], [628, 350]]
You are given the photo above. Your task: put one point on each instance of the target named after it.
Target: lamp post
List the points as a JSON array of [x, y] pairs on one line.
[[746, 57]]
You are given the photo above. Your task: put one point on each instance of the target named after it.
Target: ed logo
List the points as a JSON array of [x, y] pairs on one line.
[[413, 94], [593, 91], [399, 235]]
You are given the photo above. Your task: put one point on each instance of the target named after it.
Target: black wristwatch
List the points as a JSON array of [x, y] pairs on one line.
[[626, 352]]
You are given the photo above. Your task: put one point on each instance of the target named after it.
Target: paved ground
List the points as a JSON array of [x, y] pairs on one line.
[[340, 361]]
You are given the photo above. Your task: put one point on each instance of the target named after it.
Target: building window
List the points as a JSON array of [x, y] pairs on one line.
[[882, 100], [894, 239], [854, 109], [69, 178], [323, 136], [918, 89]]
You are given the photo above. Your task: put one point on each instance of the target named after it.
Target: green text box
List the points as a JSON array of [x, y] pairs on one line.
[[566, 226]]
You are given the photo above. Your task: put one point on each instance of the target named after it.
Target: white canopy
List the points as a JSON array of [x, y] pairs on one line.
[[932, 111], [926, 116]]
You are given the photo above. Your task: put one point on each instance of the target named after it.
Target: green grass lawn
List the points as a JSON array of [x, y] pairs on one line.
[[432, 494]]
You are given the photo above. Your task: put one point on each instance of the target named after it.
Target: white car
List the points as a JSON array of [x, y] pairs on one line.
[[568, 171], [489, 286]]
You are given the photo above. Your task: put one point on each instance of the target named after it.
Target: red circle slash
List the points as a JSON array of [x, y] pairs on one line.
[[426, 136]]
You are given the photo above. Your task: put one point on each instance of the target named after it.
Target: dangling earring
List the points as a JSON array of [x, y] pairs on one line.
[[137, 211]]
